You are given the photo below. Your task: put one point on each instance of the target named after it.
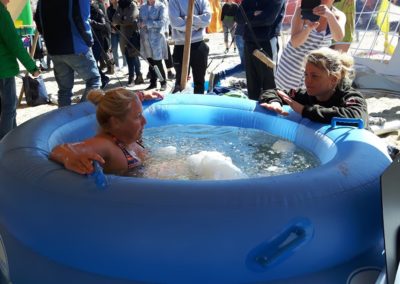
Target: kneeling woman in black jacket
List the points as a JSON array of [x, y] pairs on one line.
[[328, 93], [328, 76]]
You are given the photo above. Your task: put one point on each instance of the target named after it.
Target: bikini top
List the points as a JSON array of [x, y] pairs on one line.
[[131, 158]]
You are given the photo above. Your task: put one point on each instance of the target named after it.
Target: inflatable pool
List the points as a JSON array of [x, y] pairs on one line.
[[321, 225]]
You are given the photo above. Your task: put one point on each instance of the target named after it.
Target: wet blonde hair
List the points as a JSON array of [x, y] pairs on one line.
[[112, 103], [334, 62]]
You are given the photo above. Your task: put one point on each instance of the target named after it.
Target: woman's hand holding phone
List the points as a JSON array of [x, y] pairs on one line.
[[322, 11]]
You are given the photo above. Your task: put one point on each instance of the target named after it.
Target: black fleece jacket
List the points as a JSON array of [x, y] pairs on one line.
[[346, 102], [267, 24]]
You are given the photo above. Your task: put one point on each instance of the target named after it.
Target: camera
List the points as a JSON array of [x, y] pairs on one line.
[[306, 10]]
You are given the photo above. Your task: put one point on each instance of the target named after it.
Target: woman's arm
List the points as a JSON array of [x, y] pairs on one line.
[[203, 19], [336, 20], [79, 157], [161, 21], [10, 38], [270, 100], [300, 29]]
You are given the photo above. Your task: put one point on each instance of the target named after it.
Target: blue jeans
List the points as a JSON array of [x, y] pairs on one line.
[[133, 65], [8, 99], [64, 68], [114, 47], [239, 67], [240, 46]]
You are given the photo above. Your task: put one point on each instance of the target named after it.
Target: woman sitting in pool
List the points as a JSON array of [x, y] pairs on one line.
[[328, 93], [117, 146]]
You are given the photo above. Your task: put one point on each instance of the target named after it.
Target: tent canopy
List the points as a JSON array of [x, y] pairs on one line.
[[15, 7]]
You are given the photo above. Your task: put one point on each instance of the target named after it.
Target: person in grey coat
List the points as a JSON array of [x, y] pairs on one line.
[[199, 50], [126, 17], [153, 45]]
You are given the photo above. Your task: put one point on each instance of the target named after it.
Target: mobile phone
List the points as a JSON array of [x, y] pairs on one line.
[[306, 10]]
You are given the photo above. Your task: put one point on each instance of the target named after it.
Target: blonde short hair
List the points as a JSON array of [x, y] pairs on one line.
[[334, 62], [111, 103]]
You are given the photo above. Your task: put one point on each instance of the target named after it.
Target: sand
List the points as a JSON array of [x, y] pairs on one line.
[[380, 103]]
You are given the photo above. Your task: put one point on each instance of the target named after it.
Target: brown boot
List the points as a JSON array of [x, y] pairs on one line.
[[139, 80], [110, 69]]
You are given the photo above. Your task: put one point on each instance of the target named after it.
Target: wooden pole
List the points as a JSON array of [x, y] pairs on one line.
[[264, 59], [186, 49], [32, 52]]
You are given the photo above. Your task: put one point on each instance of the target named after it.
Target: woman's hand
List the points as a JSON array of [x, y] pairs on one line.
[[36, 74], [82, 163], [297, 107], [150, 95], [142, 24], [323, 11], [275, 107], [76, 157]]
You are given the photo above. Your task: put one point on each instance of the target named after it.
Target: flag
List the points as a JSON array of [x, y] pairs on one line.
[[382, 20]]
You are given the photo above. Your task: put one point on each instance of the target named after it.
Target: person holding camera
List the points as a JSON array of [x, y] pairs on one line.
[[314, 24]]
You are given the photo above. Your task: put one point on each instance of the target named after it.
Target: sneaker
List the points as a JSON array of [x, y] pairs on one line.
[[163, 86], [393, 152], [139, 80], [213, 80], [170, 75], [110, 70], [226, 50], [105, 82]]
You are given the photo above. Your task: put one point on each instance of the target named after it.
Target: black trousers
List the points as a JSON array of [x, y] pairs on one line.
[[153, 75], [198, 62], [258, 75], [96, 49], [169, 62]]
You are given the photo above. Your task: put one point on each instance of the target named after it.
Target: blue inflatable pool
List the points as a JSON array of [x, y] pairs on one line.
[[318, 226]]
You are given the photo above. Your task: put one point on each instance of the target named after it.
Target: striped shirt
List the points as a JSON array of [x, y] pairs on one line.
[[290, 69]]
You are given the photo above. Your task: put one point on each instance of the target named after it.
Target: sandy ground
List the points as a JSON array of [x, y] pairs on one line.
[[380, 103]]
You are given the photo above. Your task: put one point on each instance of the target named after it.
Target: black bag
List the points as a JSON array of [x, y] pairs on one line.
[[35, 91]]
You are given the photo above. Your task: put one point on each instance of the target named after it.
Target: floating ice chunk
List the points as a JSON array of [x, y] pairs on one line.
[[274, 169], [167, 151], [213, 165], [285, 149], [283, 146]]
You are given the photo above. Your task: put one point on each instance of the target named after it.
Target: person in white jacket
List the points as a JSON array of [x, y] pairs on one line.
[[198, 48]]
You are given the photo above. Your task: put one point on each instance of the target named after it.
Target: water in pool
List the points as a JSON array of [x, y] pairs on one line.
[[219, 152]]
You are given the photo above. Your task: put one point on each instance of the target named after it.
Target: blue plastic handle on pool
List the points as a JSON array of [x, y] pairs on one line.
[[281, 247], [99, 178], [348, 121]]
